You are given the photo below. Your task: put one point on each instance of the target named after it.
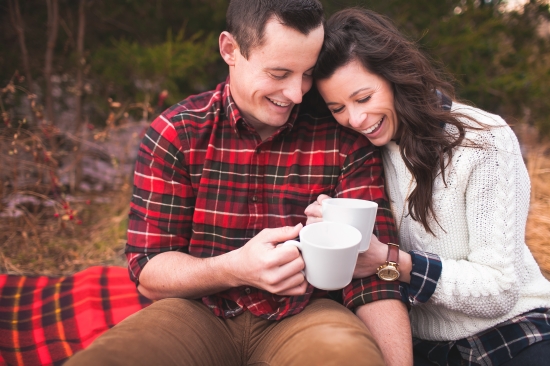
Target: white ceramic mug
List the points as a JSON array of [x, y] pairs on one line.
[[361, 214], [330, 251]]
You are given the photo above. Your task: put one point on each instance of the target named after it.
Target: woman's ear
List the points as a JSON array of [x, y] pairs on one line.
[[228, 48]]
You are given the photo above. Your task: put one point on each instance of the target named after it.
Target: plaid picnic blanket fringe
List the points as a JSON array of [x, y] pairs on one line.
[[45, 320]]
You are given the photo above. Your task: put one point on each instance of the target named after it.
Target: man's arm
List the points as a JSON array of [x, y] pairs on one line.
[[160, 227], [388, 322], [259, 263]]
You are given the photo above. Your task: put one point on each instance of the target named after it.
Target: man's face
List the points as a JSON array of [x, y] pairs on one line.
[[275, 77]]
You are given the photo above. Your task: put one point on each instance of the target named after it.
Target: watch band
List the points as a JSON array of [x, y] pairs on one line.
[[393, 253]]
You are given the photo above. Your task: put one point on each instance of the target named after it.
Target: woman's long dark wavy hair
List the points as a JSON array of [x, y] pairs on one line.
[[425, 147]]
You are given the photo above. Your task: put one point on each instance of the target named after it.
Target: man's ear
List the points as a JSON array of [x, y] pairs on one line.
[[228, 48]]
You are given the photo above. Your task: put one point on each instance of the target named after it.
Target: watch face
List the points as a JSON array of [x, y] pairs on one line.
[[388, 274]]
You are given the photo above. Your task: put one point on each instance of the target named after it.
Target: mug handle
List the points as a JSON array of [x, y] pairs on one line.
[[298, 245]]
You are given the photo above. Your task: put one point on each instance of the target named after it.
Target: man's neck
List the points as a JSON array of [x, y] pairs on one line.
[[265, 131]]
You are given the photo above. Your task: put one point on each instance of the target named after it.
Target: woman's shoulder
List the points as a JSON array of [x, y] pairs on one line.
[[486, 129], [473, 116]]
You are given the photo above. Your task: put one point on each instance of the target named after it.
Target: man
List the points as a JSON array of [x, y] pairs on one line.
[[217, 169]]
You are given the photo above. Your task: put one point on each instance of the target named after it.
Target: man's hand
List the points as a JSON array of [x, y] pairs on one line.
[[260, 263], [314, 211], [264, 264]]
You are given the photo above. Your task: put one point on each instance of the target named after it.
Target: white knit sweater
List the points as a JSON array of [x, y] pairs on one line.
[[489, 275]]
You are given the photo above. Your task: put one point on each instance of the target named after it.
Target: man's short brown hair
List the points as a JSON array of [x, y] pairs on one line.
[[246, 19]]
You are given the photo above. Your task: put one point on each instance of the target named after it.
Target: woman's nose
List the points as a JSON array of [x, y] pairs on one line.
[[357, 119]]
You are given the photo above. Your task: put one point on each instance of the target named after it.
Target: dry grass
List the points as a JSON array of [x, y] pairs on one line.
[[537, 234], [46, 227], [41, 243]]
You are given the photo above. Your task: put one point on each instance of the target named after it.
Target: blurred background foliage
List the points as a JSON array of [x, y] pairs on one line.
[[81, 79], [134, 49]]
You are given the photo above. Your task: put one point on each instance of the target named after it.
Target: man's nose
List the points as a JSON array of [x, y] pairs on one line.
[[293, 90]]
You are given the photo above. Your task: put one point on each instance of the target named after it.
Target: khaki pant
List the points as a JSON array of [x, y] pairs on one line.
[[184, 332]]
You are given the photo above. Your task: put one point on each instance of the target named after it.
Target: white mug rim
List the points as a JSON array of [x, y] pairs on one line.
[[347, 226], [356, 203]]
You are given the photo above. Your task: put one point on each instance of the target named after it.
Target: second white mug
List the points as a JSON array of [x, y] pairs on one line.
[[361, 214], [330, 251]]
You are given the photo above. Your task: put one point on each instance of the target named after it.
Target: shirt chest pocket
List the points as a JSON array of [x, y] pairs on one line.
[[290, 202]]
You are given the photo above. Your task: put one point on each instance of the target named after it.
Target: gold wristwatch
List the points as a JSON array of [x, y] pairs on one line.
[[388, 271]]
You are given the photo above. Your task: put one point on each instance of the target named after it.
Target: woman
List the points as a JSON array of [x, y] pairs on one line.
[[459, 191]]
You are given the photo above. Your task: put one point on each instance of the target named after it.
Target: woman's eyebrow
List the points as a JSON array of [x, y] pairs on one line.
[[358, 91]]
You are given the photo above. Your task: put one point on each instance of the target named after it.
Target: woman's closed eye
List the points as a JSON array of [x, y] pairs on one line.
[[364, 100], [337, 110]]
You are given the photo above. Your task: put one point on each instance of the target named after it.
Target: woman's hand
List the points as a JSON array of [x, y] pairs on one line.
[[369, 261], [314, 211]]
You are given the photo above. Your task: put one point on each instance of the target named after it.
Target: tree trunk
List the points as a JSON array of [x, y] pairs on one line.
[[17, 21], [79, 87], [53, 25], [79, 90], [19, 26]]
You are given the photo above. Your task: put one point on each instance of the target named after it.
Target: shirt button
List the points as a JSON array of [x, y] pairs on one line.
[[254, 198], [259, 151], [247, 290]]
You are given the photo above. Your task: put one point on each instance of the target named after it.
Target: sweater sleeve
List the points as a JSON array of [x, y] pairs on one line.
[[485, 283]]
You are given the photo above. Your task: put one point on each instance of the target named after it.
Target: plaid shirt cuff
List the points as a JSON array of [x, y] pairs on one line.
[[366, 290], [426, 269]]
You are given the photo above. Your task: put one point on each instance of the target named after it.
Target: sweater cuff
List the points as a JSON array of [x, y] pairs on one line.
[[426, 270]]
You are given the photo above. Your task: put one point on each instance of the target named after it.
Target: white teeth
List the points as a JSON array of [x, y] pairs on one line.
[[372, 128], [279, 103]]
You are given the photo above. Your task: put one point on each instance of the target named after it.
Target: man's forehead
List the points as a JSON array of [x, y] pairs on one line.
[[279, 39], [274, 28]]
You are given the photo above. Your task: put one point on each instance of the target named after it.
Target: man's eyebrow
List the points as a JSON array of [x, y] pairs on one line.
[[278, 69], [286, 70]]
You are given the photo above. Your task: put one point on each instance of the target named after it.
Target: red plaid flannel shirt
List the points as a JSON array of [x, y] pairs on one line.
[[205, 184]]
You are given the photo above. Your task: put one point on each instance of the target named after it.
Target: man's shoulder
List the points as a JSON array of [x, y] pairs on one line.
[[201, 108]]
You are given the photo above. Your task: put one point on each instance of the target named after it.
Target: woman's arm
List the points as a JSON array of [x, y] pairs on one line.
[[486, 282]]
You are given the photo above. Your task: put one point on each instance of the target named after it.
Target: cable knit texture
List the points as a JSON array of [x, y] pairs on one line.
[[489, 275]]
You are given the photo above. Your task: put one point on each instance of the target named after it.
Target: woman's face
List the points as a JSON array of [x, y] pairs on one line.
[[362, 101]]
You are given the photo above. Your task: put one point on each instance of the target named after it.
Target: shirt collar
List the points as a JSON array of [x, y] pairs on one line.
[[236, 119]]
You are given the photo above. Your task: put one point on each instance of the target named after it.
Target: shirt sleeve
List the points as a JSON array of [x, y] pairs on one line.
[[162, 202], [363, 178], [426, 269]]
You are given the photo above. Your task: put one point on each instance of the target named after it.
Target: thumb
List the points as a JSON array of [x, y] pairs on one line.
[[321, 198], [280, 234]]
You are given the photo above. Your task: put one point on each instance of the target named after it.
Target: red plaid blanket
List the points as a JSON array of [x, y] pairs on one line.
[[45, 320]]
